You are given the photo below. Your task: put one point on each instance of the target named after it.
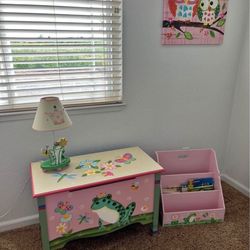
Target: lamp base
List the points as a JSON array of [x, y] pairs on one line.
[[51, 166]]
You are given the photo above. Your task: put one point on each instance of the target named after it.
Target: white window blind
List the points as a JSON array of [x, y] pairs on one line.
[[66, 48]]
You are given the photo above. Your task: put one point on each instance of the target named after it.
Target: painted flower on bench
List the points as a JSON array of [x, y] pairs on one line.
[[66, 217], [108, 166], [90, 172], [88, 164], [61, 228], [92, 167], [63, 207], [107, 173]]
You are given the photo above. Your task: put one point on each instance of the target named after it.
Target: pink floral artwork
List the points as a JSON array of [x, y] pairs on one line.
[[107, 173], [193, 21], [92, 167], [108, 166], [56, 117]]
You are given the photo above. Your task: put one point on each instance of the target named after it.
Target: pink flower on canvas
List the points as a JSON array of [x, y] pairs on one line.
[[198, 218], [206, 33], [221, 15], [212, 215], [169, 35], [170, 19], [56, 117], [108, 166], [175, 217], [107, 173]]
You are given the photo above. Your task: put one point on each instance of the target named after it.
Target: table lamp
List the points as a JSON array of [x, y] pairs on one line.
[[51, 116]]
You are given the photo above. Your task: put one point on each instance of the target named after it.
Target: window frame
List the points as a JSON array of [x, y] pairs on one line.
[[74, 108]]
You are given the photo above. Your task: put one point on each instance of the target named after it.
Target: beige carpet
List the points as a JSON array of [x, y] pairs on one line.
[[231, 234]]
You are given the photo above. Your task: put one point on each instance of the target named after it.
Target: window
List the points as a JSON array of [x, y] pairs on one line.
[[66, 48]]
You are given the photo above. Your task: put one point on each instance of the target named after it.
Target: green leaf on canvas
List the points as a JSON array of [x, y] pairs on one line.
[[178, 35], [84, 175], [221, 22], [118, 166], [94, 167], [212, 34], [96, 161], [188, 36], [78, 167]]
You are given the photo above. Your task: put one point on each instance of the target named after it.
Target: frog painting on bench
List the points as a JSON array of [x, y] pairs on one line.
[[112, 211]]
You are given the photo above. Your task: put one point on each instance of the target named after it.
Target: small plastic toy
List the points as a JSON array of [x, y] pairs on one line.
[[201, 184], [57, 160]]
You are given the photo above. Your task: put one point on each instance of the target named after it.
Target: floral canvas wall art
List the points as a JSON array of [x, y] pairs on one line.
[[194, 21]]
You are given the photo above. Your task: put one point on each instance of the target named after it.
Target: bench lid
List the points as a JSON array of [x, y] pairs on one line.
[[93, 169], [188, 161]]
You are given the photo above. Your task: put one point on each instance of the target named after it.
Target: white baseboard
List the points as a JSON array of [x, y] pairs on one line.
[[17, 223], [242, 188]]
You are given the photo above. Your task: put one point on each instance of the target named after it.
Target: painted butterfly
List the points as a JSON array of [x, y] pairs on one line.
[[126, 158]]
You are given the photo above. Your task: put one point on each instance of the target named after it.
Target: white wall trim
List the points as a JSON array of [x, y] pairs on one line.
[[237, 185], [20, 222]]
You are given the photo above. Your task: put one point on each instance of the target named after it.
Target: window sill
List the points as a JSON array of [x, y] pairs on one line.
[[29, 115]]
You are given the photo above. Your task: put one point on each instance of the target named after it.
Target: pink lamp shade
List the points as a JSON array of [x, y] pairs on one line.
[[51, 115]]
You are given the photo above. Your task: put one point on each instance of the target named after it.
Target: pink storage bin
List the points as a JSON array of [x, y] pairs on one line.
[[187, 208], [188, 161]]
